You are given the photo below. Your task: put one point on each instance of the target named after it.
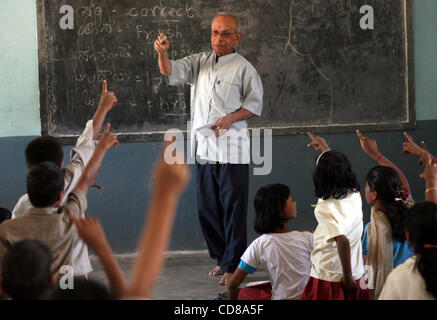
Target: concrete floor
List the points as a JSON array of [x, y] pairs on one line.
[[185, 276]]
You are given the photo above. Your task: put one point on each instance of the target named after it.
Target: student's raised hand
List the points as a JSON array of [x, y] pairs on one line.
[[410, 147], [171, 178], [108, 139], [107, 99], [317, 143], [369, 146], [430, 173], [91, 231], [161, 43]]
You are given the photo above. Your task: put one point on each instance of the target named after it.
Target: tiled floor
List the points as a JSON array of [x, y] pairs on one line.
[[185, 276]]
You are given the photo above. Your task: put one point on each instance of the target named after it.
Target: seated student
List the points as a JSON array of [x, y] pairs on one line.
[[169, 181], [337, 261], [416, 278], [384, 243], [5, 214], [47, 148], [25, 271], [47, 220], [284, 254]]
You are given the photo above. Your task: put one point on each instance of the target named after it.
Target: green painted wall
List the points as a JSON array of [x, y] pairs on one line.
[[425, 58], [19, 88]]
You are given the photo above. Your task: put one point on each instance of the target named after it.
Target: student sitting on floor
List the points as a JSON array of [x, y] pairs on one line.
[[337, 261], [384, 243], [416, 278], [25, 271], [47, 148], [47, 220], [284, 254]]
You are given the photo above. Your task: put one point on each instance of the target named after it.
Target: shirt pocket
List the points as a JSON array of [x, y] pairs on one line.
[[228, 94]]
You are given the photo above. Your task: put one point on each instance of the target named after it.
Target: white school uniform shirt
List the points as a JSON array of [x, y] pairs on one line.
[[405, 283], [335, 218], [285, 257], [218, 89], [79, 157]]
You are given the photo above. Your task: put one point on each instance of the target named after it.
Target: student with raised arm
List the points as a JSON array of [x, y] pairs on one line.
[[336, 261], [169, 181], [90, 230], [430, 173], [416, 278], [48, 148], [384, 243], [47, 220], [370, 147]]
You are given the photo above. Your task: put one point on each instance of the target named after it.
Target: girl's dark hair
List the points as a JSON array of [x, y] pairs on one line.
[[269, 206], [386, 182], [421, 223], [334, 177]]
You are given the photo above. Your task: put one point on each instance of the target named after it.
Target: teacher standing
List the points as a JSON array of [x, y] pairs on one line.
[[226, 91]]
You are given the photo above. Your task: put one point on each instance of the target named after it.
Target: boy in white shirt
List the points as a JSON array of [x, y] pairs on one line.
[[47, 148]]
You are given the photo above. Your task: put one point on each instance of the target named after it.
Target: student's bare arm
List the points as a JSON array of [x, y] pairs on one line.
[[89, 175], [168, 183], [91, 231], [430, 176], [318, 143], [234, 283], [410, 147], [107, 101], [344, 251], [370, 147]]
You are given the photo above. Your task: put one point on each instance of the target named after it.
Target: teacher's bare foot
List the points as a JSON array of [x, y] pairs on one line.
[[224, 280], [217, 271]]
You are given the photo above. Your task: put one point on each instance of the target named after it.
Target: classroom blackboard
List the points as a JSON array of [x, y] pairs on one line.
[[320, 70]]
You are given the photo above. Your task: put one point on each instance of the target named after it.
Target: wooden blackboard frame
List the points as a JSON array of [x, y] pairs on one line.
[[277, 131]]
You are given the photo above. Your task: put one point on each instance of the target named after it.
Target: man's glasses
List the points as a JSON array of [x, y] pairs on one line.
[[225, 35]]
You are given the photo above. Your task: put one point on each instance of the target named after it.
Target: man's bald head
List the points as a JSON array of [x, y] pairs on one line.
[[230, 17]]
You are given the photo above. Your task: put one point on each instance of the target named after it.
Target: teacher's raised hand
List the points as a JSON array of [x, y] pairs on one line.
[[162, 44]]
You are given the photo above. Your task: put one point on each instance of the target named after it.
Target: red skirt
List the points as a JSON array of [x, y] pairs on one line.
[[262, 291], [317, 289]]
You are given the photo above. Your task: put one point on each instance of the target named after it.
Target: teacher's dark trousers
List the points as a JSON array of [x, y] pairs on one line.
[[222, 194]]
